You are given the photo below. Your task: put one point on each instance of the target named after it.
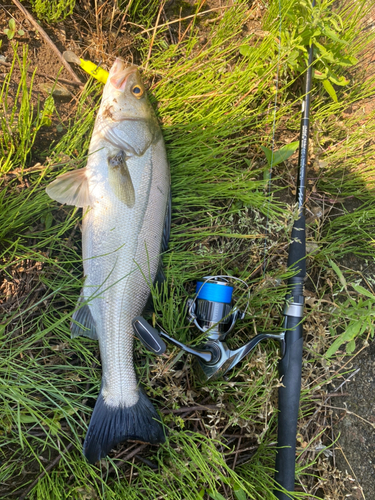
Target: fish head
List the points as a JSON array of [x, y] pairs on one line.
[[126, 119], [124, 95]]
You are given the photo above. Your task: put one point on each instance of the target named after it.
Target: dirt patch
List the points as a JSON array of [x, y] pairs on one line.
[[355, 423]]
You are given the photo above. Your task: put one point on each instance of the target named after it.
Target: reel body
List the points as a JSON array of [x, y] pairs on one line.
[[213, 311]]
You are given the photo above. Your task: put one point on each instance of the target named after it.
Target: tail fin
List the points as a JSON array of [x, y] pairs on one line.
[[110, 426]]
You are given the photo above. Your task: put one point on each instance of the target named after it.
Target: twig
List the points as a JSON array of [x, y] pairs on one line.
[[19, 172], [237, 451], [341, 368], [262, 267], [189, 409], [132, 453], [47, 40], [154, 33], [59, 79], [347, 412], [127, 458], [187, 17], [42, 474], [145, 461], [351, 470], [328, 397], [333, 444], [123, 19], [10, 302], [169, 27]]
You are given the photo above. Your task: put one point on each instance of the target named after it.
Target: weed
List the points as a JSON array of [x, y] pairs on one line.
[[12, 30], [53, 11]]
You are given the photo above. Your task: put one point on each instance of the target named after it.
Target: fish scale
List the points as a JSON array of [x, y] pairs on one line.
[[124, 192]]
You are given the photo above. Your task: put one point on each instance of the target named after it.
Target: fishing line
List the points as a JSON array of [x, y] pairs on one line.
[[272, 143]]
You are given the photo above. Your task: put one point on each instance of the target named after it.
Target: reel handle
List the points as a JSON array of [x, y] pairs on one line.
[[215, 358], [152, 339]]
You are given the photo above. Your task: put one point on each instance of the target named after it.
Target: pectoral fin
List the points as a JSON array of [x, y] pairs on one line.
[[120, 179], [71, 188]]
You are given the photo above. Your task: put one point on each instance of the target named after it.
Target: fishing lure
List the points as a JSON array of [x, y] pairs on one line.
[[91, 68]]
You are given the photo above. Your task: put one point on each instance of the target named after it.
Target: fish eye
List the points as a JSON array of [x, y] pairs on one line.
[[137, 91]]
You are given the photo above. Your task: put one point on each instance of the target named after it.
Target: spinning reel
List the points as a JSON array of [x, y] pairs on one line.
[[214, 313]]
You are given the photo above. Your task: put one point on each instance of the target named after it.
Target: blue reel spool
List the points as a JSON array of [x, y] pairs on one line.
[[217, 291], [212, 308]]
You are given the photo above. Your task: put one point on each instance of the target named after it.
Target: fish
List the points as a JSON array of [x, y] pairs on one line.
[[124, 191]]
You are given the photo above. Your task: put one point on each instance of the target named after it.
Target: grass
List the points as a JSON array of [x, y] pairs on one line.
[[216, 108]]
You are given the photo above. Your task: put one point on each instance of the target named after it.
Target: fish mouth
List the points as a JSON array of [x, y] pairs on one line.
[[119, 73]]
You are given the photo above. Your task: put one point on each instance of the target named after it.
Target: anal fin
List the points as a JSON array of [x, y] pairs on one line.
[[83, 323]]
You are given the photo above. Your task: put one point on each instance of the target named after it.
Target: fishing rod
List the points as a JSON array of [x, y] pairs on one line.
[[214, 312], [290, 366]]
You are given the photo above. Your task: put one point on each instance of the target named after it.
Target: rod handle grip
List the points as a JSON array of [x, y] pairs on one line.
[[290, 368]]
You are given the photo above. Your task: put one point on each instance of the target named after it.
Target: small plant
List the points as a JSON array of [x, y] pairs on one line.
[[12, 30], [320, 26], [282, 154], [353, 316], [53, 11]]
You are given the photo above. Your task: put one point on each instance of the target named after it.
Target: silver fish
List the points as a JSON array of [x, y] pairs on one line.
[[124, 191]]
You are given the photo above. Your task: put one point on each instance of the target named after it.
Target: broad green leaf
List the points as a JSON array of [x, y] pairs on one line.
[[330, 90], [281, 154], [350, 347], [239, 493], [319, 75], [353, 60], [320, 47], [268, 154], [338, 80], [245, 50], [21, 32], [267, 175], [12, 24], [335, 24], [215, 495], [28, 419], [352, 331], [335, 267], [9, 33], [363, 291], [332, 35], [48, 220], [334, 347]]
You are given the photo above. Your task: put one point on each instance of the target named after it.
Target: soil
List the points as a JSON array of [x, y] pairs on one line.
[[355, 426]]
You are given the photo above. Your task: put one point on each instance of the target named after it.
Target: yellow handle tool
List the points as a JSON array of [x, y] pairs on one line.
[[91, 68]]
